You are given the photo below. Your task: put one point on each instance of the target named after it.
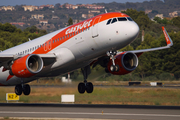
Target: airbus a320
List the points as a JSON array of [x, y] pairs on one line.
[[82, 45]]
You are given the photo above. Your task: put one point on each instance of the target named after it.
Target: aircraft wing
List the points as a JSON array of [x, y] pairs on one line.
[[168, 41]]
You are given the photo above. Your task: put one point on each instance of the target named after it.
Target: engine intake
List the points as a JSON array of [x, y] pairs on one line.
[[129, 61], [34, 63]]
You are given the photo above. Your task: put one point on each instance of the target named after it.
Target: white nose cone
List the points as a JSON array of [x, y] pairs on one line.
[[133, 30]]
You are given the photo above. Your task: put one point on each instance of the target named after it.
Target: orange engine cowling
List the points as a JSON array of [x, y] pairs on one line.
[[126, 61], [27, 66]]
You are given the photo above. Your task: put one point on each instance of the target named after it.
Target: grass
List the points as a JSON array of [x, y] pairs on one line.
[[110, 95], [6, 117]]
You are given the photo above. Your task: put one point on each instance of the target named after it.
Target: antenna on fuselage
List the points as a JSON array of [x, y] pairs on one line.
[[29, 39], [106, 11]]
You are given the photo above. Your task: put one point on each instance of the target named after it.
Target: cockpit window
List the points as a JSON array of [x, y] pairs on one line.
[[122, 19], [114, 20], [130, 19], [109, 21]]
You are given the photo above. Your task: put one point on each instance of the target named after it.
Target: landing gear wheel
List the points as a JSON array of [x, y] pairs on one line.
[[26, 89], [117, 68], [112, 68], [18, 89], [89, 87], [81, 88]]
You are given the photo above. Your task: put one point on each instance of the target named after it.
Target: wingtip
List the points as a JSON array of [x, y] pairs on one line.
[[167, 37]]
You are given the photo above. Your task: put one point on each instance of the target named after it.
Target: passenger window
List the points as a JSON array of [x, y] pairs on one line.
[[122, 19], [130, 19], [109, 21], [114, 20]]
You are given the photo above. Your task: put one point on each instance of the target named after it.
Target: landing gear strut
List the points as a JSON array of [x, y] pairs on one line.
[[19, 89], [113, 67], [86, 86]]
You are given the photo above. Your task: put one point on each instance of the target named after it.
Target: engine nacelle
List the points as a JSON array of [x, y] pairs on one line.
[[126, 61], [27, 66]]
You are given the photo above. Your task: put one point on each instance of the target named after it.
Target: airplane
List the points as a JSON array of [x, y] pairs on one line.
[[82, 45]]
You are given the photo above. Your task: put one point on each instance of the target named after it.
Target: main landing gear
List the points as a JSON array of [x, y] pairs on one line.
[[113, 67], [24, 88], [86, 86]]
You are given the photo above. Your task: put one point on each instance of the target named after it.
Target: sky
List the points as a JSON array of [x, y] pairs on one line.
[[53, 2]]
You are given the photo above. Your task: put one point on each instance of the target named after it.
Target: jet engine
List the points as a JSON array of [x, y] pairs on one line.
[[27, 66], [126, 63]]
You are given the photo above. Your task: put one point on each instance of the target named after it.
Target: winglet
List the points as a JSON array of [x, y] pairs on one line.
[[168, 39]]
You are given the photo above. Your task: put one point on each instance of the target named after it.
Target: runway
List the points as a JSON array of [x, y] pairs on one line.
[[73, 111]]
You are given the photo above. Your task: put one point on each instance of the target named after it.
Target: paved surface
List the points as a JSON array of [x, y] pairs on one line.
[[74, 111]]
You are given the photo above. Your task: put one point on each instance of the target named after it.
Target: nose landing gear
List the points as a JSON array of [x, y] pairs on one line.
[[113, 67]]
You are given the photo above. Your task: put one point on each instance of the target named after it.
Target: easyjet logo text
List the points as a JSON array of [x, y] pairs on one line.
[[77, 27]]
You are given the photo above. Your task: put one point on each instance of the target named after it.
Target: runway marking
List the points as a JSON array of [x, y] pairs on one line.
[[78, 113]]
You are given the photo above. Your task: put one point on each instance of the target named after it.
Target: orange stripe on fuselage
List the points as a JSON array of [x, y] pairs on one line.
[[70, 32]]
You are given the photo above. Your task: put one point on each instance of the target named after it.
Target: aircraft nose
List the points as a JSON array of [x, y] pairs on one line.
[[133, 30]]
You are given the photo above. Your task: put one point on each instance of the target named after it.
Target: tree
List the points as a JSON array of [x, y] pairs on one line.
[[176, 21], [140, 18], [19, 8], [57, 6], [70, 21], [127, 48], [161, 21], [8, 27]]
